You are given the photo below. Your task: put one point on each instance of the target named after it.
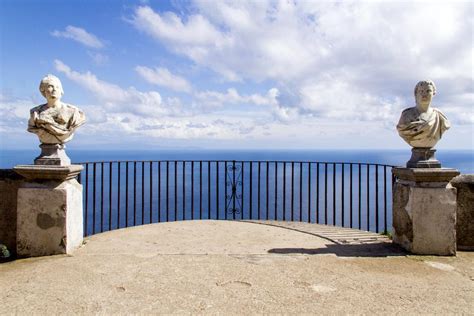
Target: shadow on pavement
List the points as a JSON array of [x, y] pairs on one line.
[[382, 249]]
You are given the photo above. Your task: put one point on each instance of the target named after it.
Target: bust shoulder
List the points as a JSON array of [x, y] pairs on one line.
[[409, 114], [38, 108]]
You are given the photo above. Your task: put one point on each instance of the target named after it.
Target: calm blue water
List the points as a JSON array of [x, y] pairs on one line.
[[117, 196]]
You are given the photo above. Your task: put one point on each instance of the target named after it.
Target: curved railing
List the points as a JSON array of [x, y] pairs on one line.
[[120, 194]]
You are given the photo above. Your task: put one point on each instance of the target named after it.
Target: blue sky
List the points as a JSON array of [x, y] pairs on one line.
[[237, 74]]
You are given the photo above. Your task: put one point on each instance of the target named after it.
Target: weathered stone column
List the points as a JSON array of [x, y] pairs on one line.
[[465, 211], [49, 210], [424, 210]]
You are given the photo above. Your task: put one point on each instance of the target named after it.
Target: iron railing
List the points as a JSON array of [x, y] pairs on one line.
[[120, 194]]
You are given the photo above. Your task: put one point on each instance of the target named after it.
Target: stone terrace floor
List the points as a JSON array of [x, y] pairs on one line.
[[238, 267]]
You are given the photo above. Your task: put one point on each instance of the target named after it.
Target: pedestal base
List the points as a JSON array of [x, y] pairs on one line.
[[49, 211], [424, 210], [423, 158], [53, 155]]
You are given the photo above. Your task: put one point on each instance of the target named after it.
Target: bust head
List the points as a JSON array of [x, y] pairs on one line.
[[424, 92], [50, 87]]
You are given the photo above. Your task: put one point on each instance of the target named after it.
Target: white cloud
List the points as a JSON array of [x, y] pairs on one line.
[[337, 60], [215, 99], [163, 77], [98, 58], [117, 99], [79, 35]]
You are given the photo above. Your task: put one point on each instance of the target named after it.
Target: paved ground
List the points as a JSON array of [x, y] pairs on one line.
[[220, 267]]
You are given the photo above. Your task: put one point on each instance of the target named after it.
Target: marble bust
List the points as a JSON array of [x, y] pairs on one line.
[[54, 122], [422, 126]]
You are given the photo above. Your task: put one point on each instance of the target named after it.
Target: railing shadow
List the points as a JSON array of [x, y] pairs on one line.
[[375, 250], [343, 242]]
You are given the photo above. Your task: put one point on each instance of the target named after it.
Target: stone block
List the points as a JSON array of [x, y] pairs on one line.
[[49, 218], [465, 211], [424, 211], [9, 184]]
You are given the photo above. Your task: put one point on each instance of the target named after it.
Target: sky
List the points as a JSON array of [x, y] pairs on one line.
[[237, 74]]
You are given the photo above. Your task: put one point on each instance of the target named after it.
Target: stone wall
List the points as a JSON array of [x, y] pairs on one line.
[[9, 184], [465, 211]]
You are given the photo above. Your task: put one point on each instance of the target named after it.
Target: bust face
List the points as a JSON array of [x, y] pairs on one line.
[[423, 96], [52, 91]]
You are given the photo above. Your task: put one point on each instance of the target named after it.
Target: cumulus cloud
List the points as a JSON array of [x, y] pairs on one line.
[[336, 60], [215, 99], [163, 77], [117, 99], [79, 35]]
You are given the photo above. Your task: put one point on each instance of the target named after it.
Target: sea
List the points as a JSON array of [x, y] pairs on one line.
[[463, 160], [165, 185]]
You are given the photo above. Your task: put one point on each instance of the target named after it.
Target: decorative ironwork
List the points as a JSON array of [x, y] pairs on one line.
[[234, 182]]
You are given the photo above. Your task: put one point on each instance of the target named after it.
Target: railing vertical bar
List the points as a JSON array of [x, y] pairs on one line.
[[360, 197], [126, 194], [225, 189], [200, 189], [242, 177], [325, 193], [284, 191], [309, 192], [350, 197], [217, 189], [301, 191], [102, 213], [376, 198], [258, 190], [167, 191], [317, 193], [86, 216], [143, 192], [385, 199], [110, 195], [159, 191], [118, 193], [276, 191], [93, 197], [175, 190], [184, 190], [334, 167], [250, 190], [342, 195], [134, 193], [292, 190], [192, 189], [368, 197], [151, 192], [234, 189], [267, 190], [208, 190]]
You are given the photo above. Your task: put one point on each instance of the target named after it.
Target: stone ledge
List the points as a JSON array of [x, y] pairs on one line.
[[42, 172], [425, 174]]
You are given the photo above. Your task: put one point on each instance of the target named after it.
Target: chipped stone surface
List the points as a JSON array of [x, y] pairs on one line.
[[49, 218], [9, 184], [465, 211], [424, 213]]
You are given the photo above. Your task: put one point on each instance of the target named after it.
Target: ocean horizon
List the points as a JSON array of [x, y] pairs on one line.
[[463, 160]]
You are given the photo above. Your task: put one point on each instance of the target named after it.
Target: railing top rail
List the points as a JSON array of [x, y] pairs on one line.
[[244, 161]]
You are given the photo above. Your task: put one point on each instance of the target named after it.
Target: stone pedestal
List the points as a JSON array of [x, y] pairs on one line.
[[424, 210], [465, 211], [423, 158], [53, 154], [49, 210]]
